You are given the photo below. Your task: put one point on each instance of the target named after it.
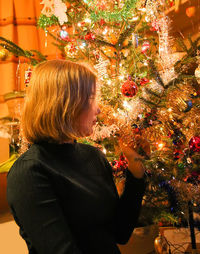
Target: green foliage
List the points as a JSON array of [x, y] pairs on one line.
[[44, 21], [18, 51]]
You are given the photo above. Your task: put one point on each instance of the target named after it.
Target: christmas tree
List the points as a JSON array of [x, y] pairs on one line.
[[144, 91]]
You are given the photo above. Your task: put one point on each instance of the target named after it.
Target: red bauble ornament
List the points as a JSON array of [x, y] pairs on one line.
[[178, 154], [194, 144], [145, 47], [27, 76], [129, 88], [144, 81], [102, 22], [89, 36], [190, 11]]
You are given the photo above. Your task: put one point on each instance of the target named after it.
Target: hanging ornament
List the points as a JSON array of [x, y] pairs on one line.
[[189, 106], [89, 36], [136, 129], [125, 42], [27, 76], [197, 74], [3, 54], [64, 35], [102, 22], [160, 245], [112, 38], [145, 47], [60, 10], [194, 144], [129, 88], [71, 49], [190, 11], [144, 81], [178, 154]]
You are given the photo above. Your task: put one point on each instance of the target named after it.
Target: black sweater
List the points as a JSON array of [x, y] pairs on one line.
[[64, 200]]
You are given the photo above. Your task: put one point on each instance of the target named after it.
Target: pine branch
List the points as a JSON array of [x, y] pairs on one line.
[[182, 44], [12, 44], [190, 41], [155, 73], [39, 54], [125, 34]]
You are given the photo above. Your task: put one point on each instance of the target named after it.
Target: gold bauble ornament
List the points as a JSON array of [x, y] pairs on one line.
[[125, 42], [113, 38], [190, 11], [160, 245], [3, 54], [197, 74]]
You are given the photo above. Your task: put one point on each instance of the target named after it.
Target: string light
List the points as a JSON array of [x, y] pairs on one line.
[[105, 31], [104, 150]]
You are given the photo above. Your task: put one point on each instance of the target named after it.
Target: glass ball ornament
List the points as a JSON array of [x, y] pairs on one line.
[[190, 11], [129, 88], [160, 245], [63, 34], [145, 47], [3, 54], [194, 144]]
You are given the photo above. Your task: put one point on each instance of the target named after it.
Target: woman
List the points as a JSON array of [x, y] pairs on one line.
[[61, 193]]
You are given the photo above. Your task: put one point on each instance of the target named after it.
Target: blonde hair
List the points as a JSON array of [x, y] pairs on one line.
[[58, 92]]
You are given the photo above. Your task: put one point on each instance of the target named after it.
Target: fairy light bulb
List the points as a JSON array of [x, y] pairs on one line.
[[109, 82], [160, 145], [87, 20], [104, 150], [121, 77], [105, 31]]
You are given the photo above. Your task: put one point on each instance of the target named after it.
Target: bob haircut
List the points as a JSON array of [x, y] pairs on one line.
[[58, 93]]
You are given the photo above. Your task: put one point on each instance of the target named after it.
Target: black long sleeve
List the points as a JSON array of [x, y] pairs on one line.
[[65, 202], [40, 215]]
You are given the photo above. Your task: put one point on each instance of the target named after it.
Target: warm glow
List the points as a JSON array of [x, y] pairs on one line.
[[160, 145]]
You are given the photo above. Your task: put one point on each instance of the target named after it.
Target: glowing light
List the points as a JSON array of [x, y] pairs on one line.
[[135, 18], [104, 150], [145, 63], [83, 45], [109, 82], [170, 109], [87, 20], [79, 24], [105, 31], [160, 145], [121, 77], [127, 105]]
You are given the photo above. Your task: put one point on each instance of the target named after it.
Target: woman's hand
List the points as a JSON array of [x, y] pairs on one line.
[[135, 164]]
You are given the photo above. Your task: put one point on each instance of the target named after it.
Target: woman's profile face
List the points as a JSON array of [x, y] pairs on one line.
[[88, 118]]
